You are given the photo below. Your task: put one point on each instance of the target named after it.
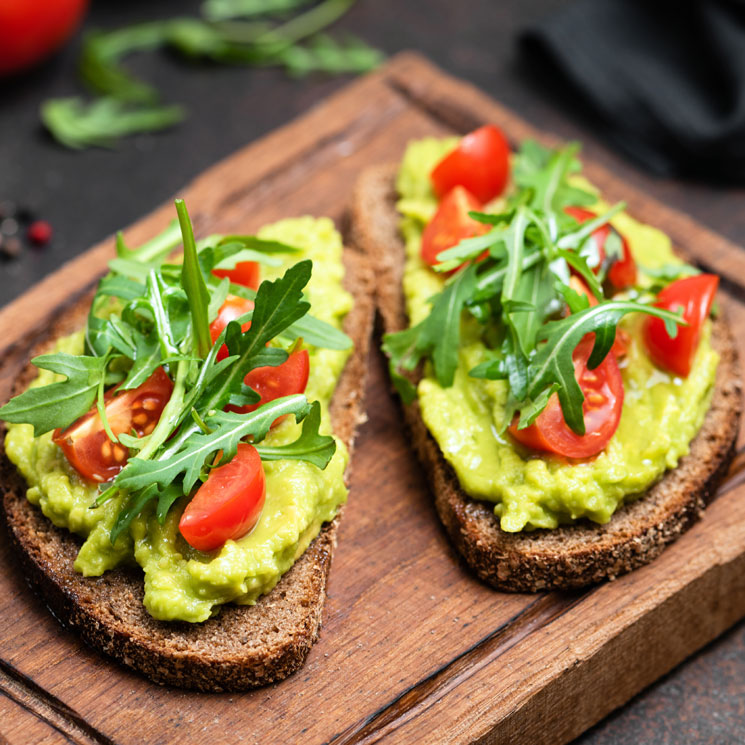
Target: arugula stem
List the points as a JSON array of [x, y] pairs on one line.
[[193, 283], [496, 274], [156, 248], [170, 415], [311, 22]]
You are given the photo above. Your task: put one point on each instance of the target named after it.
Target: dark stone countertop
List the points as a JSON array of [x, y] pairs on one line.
[[88, 195]]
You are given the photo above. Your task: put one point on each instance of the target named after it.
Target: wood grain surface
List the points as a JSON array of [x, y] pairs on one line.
[[413, 649]]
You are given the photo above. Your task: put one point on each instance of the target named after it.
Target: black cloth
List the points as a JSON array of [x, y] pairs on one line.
[[666, 79]]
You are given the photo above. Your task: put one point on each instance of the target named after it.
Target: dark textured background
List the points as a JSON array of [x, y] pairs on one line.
[[88, 195]]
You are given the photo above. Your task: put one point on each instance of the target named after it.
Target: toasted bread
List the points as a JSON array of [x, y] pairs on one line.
[[242, 646], [570, 556]]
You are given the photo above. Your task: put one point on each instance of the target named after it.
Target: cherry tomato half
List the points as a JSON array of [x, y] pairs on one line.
[[244, 273], [31, 30], [451, 224], [228, 503], [274, 382], [603, 390], [480, 163], [269, 382], [695, 296], [86, 444], [622, 272], [233, 308]]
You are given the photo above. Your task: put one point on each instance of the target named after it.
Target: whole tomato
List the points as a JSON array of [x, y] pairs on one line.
[[30, 30]]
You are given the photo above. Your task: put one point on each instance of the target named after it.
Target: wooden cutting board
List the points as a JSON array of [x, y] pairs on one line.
[[413, 649]]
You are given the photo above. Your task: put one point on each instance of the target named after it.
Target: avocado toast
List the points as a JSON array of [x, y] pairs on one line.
[[570, 554], [240, 647]]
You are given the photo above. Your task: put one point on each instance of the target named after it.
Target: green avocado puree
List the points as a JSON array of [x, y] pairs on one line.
[[182, 583], [661, 413]]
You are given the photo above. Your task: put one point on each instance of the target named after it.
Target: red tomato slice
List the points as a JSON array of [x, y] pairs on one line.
[[85, 442], [622, 273], [451, 224], [245, 273], [480, 163], [603, 389], [233, 308], [274, 382], [228, 503], [695, 296]]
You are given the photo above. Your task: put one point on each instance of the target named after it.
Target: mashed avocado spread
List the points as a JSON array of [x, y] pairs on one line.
[[661, 413], [182, 583]]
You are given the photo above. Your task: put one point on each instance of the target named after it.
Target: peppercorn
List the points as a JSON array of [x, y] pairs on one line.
[[39, 232]]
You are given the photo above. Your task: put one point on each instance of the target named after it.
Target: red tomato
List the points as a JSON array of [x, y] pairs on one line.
[[245, 273], [622, 273], [603, 389], [228, 503], [274, 382], [233, 308], [480, 163], [451, 224], [695, 296], [269, 382], [85, 442], [31, 30]]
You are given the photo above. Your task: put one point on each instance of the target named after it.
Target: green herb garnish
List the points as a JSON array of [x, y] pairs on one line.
[[518, 293], [257, 33], [147, 314]]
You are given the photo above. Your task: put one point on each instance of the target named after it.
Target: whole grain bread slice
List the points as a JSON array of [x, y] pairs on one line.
[[243, 646], [570, 556]]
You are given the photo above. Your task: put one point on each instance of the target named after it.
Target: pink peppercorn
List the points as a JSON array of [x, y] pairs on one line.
[[39, 232]]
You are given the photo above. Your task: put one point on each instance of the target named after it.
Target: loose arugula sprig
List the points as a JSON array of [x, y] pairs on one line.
[[148, 313], [518, 292], [246, 32]]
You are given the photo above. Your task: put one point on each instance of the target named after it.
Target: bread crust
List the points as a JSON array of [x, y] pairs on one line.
[[242, 647], [570, 556]]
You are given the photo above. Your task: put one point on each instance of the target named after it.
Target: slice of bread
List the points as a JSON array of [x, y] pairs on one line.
[[242, 646], [570, 556]]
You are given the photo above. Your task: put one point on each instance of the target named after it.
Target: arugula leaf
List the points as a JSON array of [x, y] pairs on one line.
[[147, 359], [135, 505], [278, 305], [129, 105], [670, 272], [100, 123], [101, 52], [58, 404], [311, 446], [318, 333], [544, 173], [472, 248], [552, 364], [222, 10], [154, 250], [437, 337], [192, 280], [536, 290], [194, 452], [325, 54], [132, 507]]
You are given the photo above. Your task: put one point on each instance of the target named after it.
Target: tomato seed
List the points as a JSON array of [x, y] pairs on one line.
[[139, 418], [150, 404], [119, 453], [106, 449], [150, 427]]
